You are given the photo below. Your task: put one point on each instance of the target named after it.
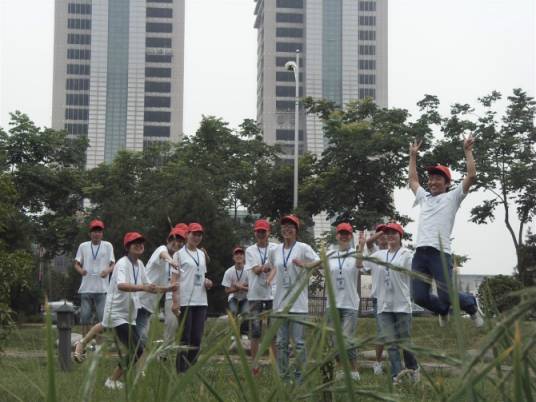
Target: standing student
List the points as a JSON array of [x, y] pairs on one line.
[[190, 299], [94, 262], [343, 271], [260, 298], [235, 282], [123, 303], [394, 301], [439, 206], [374, 243], [158, 272], [289, 261]]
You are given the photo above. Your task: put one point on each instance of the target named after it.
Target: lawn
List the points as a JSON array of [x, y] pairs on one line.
[[221, 376]]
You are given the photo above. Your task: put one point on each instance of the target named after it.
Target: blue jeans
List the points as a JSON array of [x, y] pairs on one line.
[[87, 301], [256, 307], [394, 328], [296, 330], [240, 307], [427, 260], [143, 322], [348, 319]]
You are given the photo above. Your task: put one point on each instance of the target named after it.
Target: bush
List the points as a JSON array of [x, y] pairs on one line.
[[494, 294]]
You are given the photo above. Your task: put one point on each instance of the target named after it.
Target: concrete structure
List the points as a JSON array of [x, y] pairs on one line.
[[118, 73], [343, 46]]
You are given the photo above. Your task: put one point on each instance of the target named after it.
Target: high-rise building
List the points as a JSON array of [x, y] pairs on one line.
[[343, 57], [118, 73]]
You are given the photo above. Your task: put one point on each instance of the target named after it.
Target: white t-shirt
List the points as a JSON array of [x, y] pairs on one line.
[[157, 271], [291, 277], [258, 288], [193, 268], [344, 273], [122, 307], [436, 218], [373, 273], [233, 276], [393, 287], [94, 259]]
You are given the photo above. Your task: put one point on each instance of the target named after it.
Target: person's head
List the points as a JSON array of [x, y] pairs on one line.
[[195, 234], [261, 230], [238, 256], [176, 239], [96, 230], [344, 234], [393, 233], [134, 244], [381, 241], [290, 225], [439, 178]]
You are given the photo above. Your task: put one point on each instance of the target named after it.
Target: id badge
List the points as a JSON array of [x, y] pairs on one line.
[[198, 280], [340, 283], [286, 280]]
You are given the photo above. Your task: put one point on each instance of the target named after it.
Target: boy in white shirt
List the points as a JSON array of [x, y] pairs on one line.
[[94, 262], [235, 282]]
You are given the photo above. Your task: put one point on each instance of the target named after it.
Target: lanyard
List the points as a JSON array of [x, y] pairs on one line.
[[263, 257], [134, 273], [343, 260], [197, 253], [93, 253], [285, 260], [392, 259], [241, 273]]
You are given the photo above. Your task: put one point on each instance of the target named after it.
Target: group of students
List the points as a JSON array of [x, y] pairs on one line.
[[268, 279]]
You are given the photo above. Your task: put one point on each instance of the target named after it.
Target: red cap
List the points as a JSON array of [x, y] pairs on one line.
[[380, 228], [238, 249], [394, 226], [195, 227], [183, 226], [96, 223], [130, 237], [292, 219], [262, 224], [178, 232], [344, 227], [441, 170]]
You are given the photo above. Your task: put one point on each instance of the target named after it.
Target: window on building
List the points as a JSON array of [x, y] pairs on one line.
[[77, 99], [157, 72], [287, 91], [281, 61], [287, 135], [158, 42], [289, 32], [76, 128], [157, 101], [77, 84], [367, 20], [367, 79], [158, 58], [78, 54], [286, 76], [159, 12], [367, 50], [75, 8], [290, 3], [367, 6], [288, 17], [367, 93], [284, 106], [78, 39], [288, 46], [165, 27], [157, 116], [156, 131], [77, 23], [159, 1], [367, 35], [367, 64], [76, 114], [153, 86], [78, 69]]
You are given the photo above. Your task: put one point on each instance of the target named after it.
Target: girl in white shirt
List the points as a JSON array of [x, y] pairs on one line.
[[394, 301], [190, 299]]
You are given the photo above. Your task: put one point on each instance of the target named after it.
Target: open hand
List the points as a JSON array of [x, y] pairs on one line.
[[415, 147], [468, 142]]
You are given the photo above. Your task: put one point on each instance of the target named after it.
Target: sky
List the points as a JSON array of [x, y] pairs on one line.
[[458, 50]]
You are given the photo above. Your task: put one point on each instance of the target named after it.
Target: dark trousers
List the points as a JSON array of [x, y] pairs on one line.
[[192, 321], [128, 336], [427, 260]]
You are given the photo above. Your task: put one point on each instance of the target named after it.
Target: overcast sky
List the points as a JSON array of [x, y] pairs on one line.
[[458, 50]]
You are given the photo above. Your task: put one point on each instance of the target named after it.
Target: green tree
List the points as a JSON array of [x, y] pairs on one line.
[[494, 293]]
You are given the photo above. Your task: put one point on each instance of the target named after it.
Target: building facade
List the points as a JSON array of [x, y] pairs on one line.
[[343, 57], [118, 73]]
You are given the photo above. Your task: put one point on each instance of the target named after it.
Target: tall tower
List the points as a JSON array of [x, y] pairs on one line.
[[343, 45], [118, 73]]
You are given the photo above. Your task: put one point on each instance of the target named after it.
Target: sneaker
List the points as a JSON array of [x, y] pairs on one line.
[[443, 320], [111, 384], [478, 318], [355, 376], [339, 375], [378, 368]]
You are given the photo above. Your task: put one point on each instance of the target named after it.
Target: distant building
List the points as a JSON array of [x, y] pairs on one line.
[[118, 73]]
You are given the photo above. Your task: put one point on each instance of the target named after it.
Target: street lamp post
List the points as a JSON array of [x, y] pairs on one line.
[[295, 67]]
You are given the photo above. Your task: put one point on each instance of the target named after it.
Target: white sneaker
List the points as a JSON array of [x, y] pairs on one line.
[[443, 320], [339, 375], [478, 318], [115, 385], [356, 376], [378, 368]]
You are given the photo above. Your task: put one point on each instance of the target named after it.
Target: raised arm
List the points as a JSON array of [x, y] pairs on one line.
[[413, 176], [470, 178]]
